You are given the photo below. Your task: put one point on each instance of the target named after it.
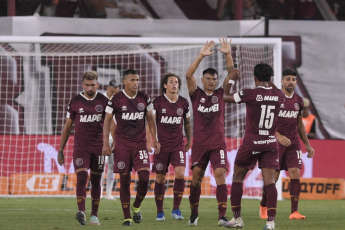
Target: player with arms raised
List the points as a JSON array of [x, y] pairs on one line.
[[130, 108], [87, 111], [172, 112], [259, 141], [208, 130], [290, 129]]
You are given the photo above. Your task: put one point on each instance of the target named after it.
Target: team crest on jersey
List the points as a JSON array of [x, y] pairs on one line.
[[99, 108], [214, 99], [81, 110], [121, 165], [164, 111], [259, 98], [159, 166], [141, 106], [79, 162], [296, 106], [202, 100], [179, 111]]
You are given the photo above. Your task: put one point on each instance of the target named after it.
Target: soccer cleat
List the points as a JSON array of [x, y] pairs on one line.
[[137, 217], [193, 220], [263, 212], [109, 197], [296, 215], [94, 220], [81, 217], [269, 225], [160, 216], [176, 214], [223, 221], [127, 222], [234, 223]]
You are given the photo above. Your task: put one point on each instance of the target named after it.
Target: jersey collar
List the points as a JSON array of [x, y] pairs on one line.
[[264, 87], [289, 96], [128, 95], [82, 94], [169, 99]]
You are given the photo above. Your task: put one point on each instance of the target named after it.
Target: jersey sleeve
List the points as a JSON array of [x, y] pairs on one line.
[[187, 110], [70, 113], [243, 96], [149, 106], [110, 107], [154, 106]]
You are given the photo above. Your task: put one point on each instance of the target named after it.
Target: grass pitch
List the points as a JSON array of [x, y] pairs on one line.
[[59, 213]]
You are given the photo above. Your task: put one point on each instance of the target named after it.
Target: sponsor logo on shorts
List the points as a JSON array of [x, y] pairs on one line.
[[79, 162], [99, 108], [159, 166], [296, 106], [214, 99], [141, 106], [255, 152], [145, 161], [179, 111], [121, 165]]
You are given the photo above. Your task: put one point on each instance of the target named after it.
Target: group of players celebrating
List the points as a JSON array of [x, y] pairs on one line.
[[273, 129]]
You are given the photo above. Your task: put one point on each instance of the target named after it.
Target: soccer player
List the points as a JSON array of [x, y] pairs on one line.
[[259, 141], [290, 129], [112, 89], [208, 130], [172, 112], [130, 107], [87, 111]]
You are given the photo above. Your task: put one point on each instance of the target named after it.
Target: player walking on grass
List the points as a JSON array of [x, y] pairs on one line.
[[290, 129], [87, 111], [172, 112], [130, 107], [259, 141], [208, 130]]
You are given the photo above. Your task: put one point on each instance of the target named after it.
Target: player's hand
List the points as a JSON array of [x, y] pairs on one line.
[[235, 74], [156, 146], [283, 140], [61, 158], [225, 45], [106, 151], [310, 151], [187, 147], [206, 50]]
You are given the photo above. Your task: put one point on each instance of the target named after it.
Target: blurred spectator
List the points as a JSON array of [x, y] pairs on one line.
[[338, 8], [225, 9], [124, 9], [308, 119], [87, 8], [306, 10], [251, 10], [281, 9]]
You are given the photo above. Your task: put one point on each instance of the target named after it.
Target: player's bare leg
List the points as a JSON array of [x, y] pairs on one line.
[[95, 178], [178, 192], [159, 191], [221, 195], [142, 188], [195, 192], [82, 176], [295, 188]]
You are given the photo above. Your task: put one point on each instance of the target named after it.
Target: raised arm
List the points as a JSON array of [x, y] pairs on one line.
[[64, 138], [106, 130], [153, 130], [303, 135], [225, 48], [205, 51], [229, 81], [188, 132]]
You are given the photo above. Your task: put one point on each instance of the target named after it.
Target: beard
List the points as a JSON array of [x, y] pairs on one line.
[[90, 93]]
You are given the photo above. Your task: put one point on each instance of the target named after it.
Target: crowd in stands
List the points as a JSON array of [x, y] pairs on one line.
[[178, 9]]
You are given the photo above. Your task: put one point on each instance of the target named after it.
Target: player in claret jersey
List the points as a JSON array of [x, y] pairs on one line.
[[208, 130], [130, 108], [172, 112], [259, 141], [290, 129], [87, 111]]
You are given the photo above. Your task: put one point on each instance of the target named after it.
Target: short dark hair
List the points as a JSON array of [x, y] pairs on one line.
[[288, 72], [113, 84], [210, 71], [129, 71], [165, 78], [90, 75], [263, 72]]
